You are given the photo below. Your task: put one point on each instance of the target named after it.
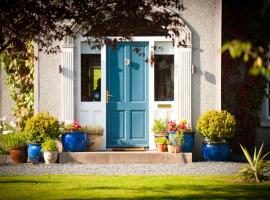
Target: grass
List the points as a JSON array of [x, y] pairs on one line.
[[130, 187]]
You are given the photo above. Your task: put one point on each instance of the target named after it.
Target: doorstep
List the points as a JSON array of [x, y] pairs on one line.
[[113, 157]]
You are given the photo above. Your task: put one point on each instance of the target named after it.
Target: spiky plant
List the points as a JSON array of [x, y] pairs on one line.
[[258, 169]]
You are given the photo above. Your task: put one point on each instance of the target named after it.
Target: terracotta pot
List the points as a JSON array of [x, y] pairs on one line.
[[162, 147], [95, 143], [174, 148], [50, 156], [18, 155]]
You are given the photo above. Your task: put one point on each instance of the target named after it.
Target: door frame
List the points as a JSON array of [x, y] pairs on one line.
[[101, 106]]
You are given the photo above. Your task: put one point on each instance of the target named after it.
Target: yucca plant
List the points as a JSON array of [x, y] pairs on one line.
[[258, 169]]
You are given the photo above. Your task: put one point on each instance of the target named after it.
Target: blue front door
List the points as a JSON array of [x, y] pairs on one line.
[[127, 95]]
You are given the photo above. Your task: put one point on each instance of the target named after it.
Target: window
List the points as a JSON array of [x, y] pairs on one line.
[[164, 71], [90, 73]]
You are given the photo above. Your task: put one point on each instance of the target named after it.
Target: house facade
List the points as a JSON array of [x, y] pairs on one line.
[[123, 90]]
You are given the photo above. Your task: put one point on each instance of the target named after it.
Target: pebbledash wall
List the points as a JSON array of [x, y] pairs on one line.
[[203, 17], [6, 102]]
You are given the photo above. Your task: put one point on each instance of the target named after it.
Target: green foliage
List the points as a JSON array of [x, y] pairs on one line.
[[49, 145], [159, 127], [258, 169], [237, 48], [14, 140], [41, 127], [161, 140], [20, 75], [96, 130], [217, 125], [178, 139]]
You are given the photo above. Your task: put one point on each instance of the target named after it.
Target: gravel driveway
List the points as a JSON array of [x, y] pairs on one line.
[[195, 168]]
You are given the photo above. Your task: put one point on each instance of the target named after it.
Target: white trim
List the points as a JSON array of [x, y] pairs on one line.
[[68, 83], [153, 105]]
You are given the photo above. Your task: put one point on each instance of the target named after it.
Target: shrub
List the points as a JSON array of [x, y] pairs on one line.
[[160, 127], [49, 145], [161, 140], [217, 125], [258, 169], [14, 140], [41, 127]]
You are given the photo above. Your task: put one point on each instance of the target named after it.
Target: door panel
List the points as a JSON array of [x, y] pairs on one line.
[[127, 107]]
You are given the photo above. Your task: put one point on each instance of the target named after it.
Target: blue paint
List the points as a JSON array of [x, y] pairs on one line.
[[127, 82], [74, 141], [188, 142], [171, 136], [34, 153], [216, 151]]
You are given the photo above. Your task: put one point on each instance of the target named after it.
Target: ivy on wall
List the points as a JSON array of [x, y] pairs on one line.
[[19, 67]]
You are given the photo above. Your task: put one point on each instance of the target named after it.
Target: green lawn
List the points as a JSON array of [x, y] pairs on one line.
[[130, 187]]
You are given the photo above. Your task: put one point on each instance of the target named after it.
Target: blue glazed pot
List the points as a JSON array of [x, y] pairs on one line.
[[74, 141], [188, 142], [172, 137], [216, 151], [34, 152]]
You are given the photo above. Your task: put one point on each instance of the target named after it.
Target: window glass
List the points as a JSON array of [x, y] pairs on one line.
[[90, 77], [164, 71]]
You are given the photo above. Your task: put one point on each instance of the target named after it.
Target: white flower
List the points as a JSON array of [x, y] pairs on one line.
[[7, 132], [12, 124], [4, 118]]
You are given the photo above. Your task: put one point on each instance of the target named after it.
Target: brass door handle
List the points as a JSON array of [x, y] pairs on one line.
[[107, 96]]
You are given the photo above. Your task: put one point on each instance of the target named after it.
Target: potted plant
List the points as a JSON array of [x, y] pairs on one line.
[[174, 144], [50, 151], [39, 128], [217, 127], [16, 144], [171, 128], [161, 143], [188, 136], [74, 139], [159, 128], [94, 137]]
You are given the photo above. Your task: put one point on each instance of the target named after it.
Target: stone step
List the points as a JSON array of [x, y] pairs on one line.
[[112, 157]]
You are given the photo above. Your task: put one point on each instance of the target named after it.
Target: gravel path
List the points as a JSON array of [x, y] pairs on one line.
[[195, 168]]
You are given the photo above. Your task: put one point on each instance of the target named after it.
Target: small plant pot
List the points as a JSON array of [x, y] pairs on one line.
[[34, 153], [95, 143], [162, 147], [174, 148], [18, 155], [50, 156]]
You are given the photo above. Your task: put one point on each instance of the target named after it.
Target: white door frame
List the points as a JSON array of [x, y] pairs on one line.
[[98, 109]]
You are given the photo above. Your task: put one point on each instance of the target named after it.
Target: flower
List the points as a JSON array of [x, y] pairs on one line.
[[75, 126], [12, 124], [6, 132], [172, 126]]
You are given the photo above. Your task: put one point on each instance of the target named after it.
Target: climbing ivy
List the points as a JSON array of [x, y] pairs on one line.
[[19, 68]]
